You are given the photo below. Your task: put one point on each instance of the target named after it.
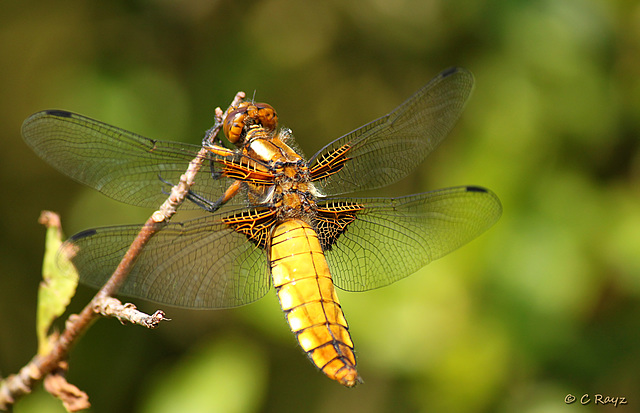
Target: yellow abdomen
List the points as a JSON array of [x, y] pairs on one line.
[[308, 298]]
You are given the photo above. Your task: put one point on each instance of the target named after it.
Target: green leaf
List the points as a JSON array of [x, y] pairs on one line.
[[59, 281]]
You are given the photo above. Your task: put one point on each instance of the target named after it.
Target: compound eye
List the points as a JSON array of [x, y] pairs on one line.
[[235, 121], [234, 124]]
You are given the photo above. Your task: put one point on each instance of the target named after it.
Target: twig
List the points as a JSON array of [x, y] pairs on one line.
[[112, 307], [72, 397], [17, 385]]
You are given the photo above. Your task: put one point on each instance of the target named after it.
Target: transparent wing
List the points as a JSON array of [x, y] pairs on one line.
[[392, 238], [118, 163], [387, 149], [200, 263]]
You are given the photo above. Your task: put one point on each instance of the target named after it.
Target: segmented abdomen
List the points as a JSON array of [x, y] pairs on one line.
[[308, 298]]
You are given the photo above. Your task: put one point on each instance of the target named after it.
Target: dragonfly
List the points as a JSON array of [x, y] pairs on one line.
[[274, 218]]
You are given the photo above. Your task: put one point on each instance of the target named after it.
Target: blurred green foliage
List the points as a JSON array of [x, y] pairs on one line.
[[545, 304], [59, 283]]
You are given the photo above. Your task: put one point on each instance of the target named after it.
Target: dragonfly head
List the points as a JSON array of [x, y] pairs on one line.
[[245, 115]]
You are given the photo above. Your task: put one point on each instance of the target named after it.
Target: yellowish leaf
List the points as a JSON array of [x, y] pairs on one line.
[[59, 281]]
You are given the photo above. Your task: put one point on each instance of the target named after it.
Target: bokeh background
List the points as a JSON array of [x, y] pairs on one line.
[[547, 303]]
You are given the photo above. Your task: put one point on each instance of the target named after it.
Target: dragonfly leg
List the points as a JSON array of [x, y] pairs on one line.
[[211, 135], [229, 193], [209, 206], [203, 202], [214, 174], [219, 150], [199, 200]]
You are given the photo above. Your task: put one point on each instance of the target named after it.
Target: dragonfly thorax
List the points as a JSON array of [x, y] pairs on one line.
[[288, 190], [294, 200], [269, 148]]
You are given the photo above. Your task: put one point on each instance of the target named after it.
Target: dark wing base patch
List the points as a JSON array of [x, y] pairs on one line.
[[330, 163], [254, 224], [332, 221]]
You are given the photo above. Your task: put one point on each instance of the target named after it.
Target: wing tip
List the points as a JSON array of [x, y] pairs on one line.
[[82, 234], [473, 188], [58, 112], [457, 70], [449, 71]]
